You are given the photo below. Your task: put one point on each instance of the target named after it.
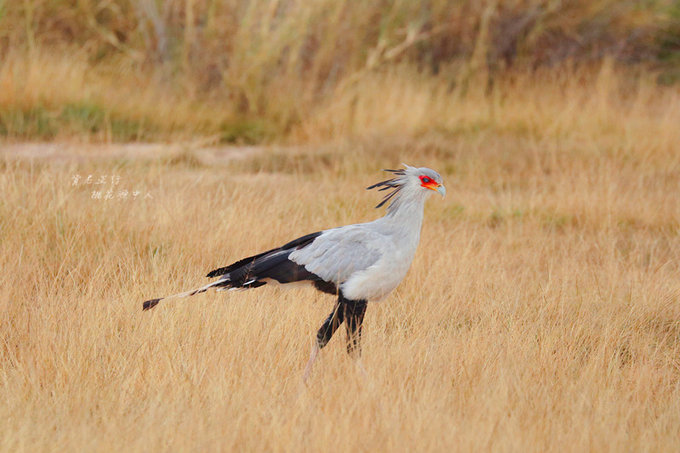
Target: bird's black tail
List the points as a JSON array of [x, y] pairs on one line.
[[257, 270], [149, 304]]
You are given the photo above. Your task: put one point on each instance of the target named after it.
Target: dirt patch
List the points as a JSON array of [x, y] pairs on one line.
[[67, 152]]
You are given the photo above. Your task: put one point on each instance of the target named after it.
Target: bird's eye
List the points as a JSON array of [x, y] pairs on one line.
[[425, 180]]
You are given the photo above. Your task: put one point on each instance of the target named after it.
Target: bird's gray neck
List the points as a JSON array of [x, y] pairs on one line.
[[406, 214]]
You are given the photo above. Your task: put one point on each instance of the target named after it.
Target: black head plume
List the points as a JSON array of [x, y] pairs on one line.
[[395, 184]]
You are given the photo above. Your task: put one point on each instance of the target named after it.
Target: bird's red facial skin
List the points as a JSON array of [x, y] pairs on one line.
[[428, 183]]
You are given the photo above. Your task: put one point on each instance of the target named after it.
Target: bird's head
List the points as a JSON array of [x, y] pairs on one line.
[[429, 179], [418, 182]]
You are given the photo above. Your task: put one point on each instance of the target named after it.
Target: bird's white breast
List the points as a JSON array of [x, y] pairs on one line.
[[378, 280], [367, 261]]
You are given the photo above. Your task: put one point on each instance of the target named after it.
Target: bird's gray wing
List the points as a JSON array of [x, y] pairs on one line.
[[338, 253]]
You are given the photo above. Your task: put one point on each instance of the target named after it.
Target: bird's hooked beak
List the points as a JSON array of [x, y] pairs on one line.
[[436, 187]]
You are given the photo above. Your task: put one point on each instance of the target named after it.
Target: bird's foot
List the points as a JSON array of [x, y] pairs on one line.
[[360, 367], [310, 363]]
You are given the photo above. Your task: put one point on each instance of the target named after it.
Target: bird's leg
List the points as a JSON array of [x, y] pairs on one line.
[[330, 325], [324, 335], [310, 362], [354, 317]]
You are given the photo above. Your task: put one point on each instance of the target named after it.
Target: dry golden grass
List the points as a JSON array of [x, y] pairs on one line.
[[542, 312]]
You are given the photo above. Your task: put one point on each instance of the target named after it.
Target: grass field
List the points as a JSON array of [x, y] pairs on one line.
[[541, 313]]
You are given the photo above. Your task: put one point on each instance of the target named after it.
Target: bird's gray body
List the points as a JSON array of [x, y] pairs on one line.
[[368, 260]]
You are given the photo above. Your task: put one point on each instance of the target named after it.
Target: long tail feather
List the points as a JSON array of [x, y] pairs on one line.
[[255, 271], [149, 304]]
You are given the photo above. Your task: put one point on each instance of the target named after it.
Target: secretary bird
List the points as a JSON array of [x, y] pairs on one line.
[[357, 263]]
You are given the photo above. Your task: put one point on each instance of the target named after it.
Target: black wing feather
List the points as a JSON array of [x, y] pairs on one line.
[[272, 264], [294, 244]]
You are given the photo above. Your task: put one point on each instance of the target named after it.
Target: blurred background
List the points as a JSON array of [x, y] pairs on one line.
[[251, 72]]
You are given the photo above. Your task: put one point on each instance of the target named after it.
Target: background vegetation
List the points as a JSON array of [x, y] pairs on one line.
[[542, 312], [261, 71]]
